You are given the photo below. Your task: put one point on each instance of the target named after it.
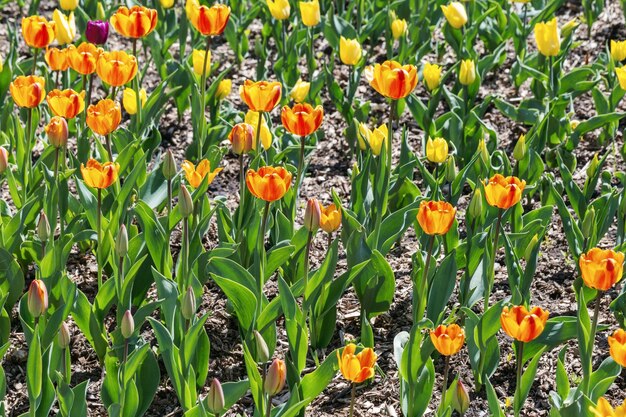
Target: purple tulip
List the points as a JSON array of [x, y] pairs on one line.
[[97, 31]]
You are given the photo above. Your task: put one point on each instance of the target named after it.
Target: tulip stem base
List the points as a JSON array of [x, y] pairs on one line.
[[444, 387], [268, 411], [518, 379], [352, 399]]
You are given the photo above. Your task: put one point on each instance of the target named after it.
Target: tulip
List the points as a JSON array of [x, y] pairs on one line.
[[261, 96], [302, 119], [195, 175], [484, 152], [136, 22], [68, 4], [223, 89], [300, 91], [604, 409], [57, 59], [167, 4], [64, 27], [448, 340], [455, 14], [241, 138], [621, 76], [398, 28], [330, 218], [617, 346], [520, 148], [432, 75], [97, 31], [349, 51], [476, 204], [128, 325], [104, 117], [198, 58], [461, 399], [275, 378], [262, 350], [436, 217], [437, 150], [83, 58], [312, 215], [97, 175], [116, 68], [467, 73], [601, 269], [37, 31], [523, 325], [374, 138], [451, 171], [357, 368], [547, 38], [280, 9], [618, 50], [64, 337], [268, 183], [28, 91], [185, 202], [589, 222], [209, 21], [265, 136], [1, 63], [215, 398], [129, 100], [169, 165], [37, 298], [310, 12], [57, 131], [4, 159], [188, 305], [393, 80], [503, 192], [66, 103], [43, 228]]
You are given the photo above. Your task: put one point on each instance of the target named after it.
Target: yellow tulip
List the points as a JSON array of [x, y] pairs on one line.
[[547, 38], [375, 138], [64, 27], [223, 89], [167, 4], [467, 73], [68, 4], [129, 100], [349, 51], [618, 50], [455, 14], [398, 28], [197, 59], [252, 118], [300, 91], [621, 76], [280, 9], [310, 12], [437, 150], [432, 75]]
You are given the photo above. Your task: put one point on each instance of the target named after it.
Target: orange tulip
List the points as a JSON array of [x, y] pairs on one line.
[[104, 117], [617, 346], [37, 31], [28, 91], [504, 192], [57, 59], [601, 269], [136, 22], [195, 175], [448, 340], [275, 378], [261, 95], [604, 409], [57, 131], [83, 58], [330, 219], [357, 368], [302, 119], [97, 175], [436, 217], [66, 103], [37, 300], [523, 325], [116, 68], [209, 21], [268, 183], [393, 80]]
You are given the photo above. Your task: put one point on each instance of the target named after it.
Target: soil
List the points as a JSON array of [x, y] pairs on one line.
[[330, 169]]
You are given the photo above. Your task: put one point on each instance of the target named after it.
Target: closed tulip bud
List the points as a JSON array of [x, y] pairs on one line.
[[129, 100], [618, 50], [275, 378], [476, 204], [547, 38], [467, 73], [262, 351], [215, 398], [437, 150], [97, 31], [531, 246], [398, 28], [168, 166], [167, 4], [68, 4], [128, 325], [520, 148], [185, 202], [242, 138], [569, 27], [355, 171], [121, 243], [223, 89], [432, 75], [593, 166], [461, 399], [349, 51], [280, 9], [64, 26], [57, 131], [37, 298], [588, 223], [451, 171], [188, 306], [312, 215], [43, 228], [64, 337], [100, 14], [300, 91], [484, 153], [455, 14], [4, 159], [310, 12]]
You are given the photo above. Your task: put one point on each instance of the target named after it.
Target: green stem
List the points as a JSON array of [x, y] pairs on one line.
[[518, 380], [35, 56], [203, 95], [257, 140], [420, 307], [261, 278], [300, 175], [99, 247], [28, 156], [305, 278], [268, 410], [444, 388], [592, 339], [184, 266], [169, 196], [352, 399], [493, 260], [137, 87], [311, 55], [109, 148]]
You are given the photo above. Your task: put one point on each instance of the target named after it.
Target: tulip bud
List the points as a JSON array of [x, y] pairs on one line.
[[593, 166], [461, 400], [451, 171], [275, 378], [68, 5], [312, 215], [64, 337], [310, 12], [4, 159], [100, 15], [398, 28], [484, 153], [97, 31], [185, 202], [188, 307], [215, 398], [167, 4], [223, 89], [57, 131], [300, 91], [355, 171], [262, 351], [350, 51], [241, 138], [531, 246], [569, 27], [43, 227], [129, 100], [121, 243], [436, 150], [573, 124], [589, 223], [168, 166], [476, 204], [467, 73], [37, 298], [128, 325], [520, 148]]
